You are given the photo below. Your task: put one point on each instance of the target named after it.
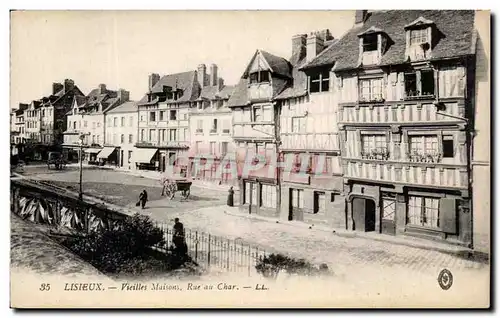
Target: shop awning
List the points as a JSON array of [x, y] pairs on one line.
[[144, 155], [106, 152], [92, 150]]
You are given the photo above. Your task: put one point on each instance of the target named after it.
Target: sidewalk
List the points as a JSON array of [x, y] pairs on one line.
[[156, 175]]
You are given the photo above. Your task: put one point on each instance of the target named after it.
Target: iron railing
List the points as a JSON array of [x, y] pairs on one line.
[[215, 252]]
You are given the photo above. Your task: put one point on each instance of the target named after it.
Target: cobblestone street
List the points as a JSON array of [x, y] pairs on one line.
[[352, 258]]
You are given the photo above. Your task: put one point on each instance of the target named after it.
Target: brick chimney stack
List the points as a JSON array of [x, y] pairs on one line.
[[102, 88], [213, 75], [68, 84], [202, 75], [360, 17], [123, 95], [153, 79]]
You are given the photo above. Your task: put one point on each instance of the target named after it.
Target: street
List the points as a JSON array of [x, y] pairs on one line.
[[205, 210]]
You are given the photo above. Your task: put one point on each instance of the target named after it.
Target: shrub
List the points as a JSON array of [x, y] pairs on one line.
[[126, 248], [271, 265]]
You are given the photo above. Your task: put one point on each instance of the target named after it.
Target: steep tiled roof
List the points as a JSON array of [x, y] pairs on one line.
[[185, 81], [226, 91], [209, 92], [299, 87], [127, 107], [455, 29], [239, 96], [278, 65]]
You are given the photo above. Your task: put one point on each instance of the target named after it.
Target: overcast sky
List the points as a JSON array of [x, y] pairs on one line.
[[121, 48]]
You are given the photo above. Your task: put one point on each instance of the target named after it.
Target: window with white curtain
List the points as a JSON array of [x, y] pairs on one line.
[[371, 89], [373, 142], [423, 211], [268, 196], [427, 145]]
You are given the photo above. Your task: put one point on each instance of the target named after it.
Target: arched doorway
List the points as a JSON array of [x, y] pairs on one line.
[[363, 214]]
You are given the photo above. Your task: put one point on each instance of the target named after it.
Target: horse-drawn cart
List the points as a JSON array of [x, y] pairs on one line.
[[173, 186]]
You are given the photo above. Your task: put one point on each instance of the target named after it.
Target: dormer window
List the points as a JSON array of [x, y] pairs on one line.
[[259, 77], [372, 45], [419, 39]]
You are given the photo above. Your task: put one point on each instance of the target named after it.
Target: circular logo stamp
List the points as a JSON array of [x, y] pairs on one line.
[[445, 279]]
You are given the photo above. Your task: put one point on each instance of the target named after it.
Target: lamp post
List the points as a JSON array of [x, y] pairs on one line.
[[80, 193]]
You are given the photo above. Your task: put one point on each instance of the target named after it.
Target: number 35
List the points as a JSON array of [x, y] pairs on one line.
[[44, 287]]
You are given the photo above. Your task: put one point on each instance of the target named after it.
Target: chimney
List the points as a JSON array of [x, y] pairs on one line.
[[299, 46], [68, 85], [202, 75], [102, 88], [315, 45], [220, 84], [123, 95], [56, 87], [153, 79], [213, 75], [360, 17]]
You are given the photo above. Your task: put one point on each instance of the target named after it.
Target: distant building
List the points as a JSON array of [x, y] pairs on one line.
[[210, 127], [87, 118], [45, 119], [163, 140], [122, 137]]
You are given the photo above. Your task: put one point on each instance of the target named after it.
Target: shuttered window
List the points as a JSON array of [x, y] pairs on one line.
[[297, 198]]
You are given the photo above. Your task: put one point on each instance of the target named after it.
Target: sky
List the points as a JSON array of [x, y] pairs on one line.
[[121, 48]]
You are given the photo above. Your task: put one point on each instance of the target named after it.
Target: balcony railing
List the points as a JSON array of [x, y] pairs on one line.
[[226, 131], [408, 173], [423, 157], [376, 154], [213, 131], [199, 130]]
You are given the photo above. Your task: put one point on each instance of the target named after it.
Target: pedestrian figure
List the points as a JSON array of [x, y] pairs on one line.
[[178, 237], [166, 183], [230, 197], [143, 198]]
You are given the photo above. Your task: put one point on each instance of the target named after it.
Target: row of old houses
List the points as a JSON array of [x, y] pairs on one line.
[[386, 114]]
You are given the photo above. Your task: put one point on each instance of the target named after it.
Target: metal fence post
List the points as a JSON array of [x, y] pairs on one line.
[[209, 238], [196, 247]]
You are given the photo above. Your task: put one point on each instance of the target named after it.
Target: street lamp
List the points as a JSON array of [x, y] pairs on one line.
[[81, 137]]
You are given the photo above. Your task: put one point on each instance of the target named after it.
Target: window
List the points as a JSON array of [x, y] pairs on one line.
[[297, 196], [198, 146], [163, 135], [161, 114], [74, 125], [122, 139], [250, 196], [298, 124], [122, 122], [214, 126], [173, 115], [225, 126], [423, 145], [93, 125], [130, 138], [93, 139], [152, 116], [98, 124], [199, 126], [114, 139], [131, 121], [320, 82], [259, 77], [212, 147], [224, 147], [84, 123], [152, 135], [142, 134], [423, 211], [371, 90], [418, 36], [184, 134], [172, 134], [185, 116], [373, 145], [142, 117], [370, 43], [257, 114], [420, 83], [129, 155], [448, 147], [109, 122], [115, 122], [319, 202], [268, 196]]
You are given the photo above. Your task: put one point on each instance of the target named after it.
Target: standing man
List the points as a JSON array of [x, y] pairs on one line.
[[143, 198], [178, 237]]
